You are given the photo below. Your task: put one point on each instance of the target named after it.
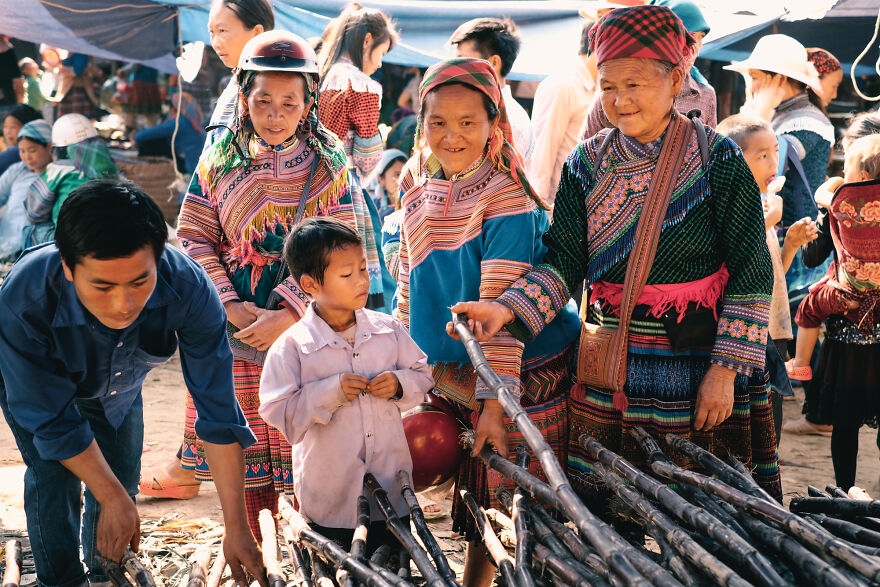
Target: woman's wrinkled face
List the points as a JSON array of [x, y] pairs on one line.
[[276, 104], [229, 34], [637, 96], [456, 126]]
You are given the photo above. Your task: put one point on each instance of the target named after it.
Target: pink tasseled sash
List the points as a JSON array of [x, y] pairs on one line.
[[661, 297]]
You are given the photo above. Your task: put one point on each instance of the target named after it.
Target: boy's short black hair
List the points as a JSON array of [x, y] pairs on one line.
[[739, 127], [491, 36], [310, 243], [108, 219]]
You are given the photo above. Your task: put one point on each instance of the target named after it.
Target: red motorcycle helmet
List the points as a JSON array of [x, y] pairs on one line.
[[432, 433], [278, 50]]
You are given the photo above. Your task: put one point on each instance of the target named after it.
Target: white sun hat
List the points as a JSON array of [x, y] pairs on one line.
[[783, 55]]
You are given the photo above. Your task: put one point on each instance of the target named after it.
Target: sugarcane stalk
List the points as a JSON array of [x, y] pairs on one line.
[[835, 506], [320, 572], [847, 530], [404, 571], [717, 467], [494, 547], [811, 568], [816, 492], [869, 523], [418, 519], [136, 570], [270, 549], [751, 559], [506, 531], [114, 572], [301, 572], [836, 491], [545, 558], [198, 567], [401, 531], [630, 563], [381, 555], [215, 576], [359, 540], [700, 498], [674, 562], [545, 536], [618, 554], [12, 570], [390, 576], [806, 531], [302, 533], [677, 538], [522, 523], [582, 553]]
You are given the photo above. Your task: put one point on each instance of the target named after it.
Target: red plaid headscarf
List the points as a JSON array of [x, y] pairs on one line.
[[648, 32], [824, 61], [479, 75]]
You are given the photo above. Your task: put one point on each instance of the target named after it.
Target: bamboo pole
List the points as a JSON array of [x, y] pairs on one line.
[[402, 532], [421, 525], [633, 567]]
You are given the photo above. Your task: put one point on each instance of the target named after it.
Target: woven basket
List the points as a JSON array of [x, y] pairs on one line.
[[154, 175]]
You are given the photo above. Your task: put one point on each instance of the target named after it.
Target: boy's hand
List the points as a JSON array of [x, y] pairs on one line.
[[772, 210], [801, 232], [825, 192], [353, 385], [384, 385]]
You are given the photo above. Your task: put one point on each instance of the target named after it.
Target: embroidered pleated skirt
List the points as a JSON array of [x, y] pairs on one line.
[[661, 390]]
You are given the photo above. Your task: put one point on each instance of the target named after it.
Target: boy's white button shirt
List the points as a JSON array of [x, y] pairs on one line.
[[336, 441]]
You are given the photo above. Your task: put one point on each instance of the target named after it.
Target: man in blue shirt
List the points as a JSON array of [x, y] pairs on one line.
[[83, 322]]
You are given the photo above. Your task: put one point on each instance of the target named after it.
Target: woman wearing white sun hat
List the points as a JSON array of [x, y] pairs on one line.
[[779, 73]]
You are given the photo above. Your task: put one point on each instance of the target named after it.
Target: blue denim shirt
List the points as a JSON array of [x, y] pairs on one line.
[[53, 352]]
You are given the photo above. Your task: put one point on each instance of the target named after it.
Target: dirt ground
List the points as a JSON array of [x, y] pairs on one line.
[[805, 460]]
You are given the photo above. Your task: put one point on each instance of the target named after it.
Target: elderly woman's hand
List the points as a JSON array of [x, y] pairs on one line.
[[485, 319], [714, 398]]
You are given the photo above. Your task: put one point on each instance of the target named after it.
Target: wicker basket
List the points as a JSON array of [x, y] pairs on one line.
[[156, 176]]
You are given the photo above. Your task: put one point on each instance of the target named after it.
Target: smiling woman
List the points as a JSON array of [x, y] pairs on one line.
[[695, 351]]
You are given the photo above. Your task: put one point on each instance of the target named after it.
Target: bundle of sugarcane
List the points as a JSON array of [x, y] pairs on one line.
[[718, 528]]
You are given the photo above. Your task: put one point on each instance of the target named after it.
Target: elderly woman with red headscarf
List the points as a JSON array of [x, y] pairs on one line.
[[695, 347], [472, 226]]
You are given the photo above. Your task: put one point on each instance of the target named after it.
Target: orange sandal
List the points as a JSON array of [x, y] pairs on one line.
[[161, 485], [798, 373]]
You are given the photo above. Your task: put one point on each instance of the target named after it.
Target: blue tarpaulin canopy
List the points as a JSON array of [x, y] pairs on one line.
[[149, 31]]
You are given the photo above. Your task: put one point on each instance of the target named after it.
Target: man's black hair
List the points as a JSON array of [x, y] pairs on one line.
[[308, 247], [491, 36], [108, 219]]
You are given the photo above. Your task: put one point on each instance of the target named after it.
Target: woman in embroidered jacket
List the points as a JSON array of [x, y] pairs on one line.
[[469, 209], [355, 43], [249, 190], [711, 255]]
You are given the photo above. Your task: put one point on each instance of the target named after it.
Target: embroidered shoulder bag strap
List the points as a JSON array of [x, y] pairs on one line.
[[609, 359]]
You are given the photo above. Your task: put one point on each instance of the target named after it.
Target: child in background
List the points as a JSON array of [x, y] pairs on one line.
[[336, 382], [33, 95], [383, 183], [852, 285], [35, 142], [761, 151]]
